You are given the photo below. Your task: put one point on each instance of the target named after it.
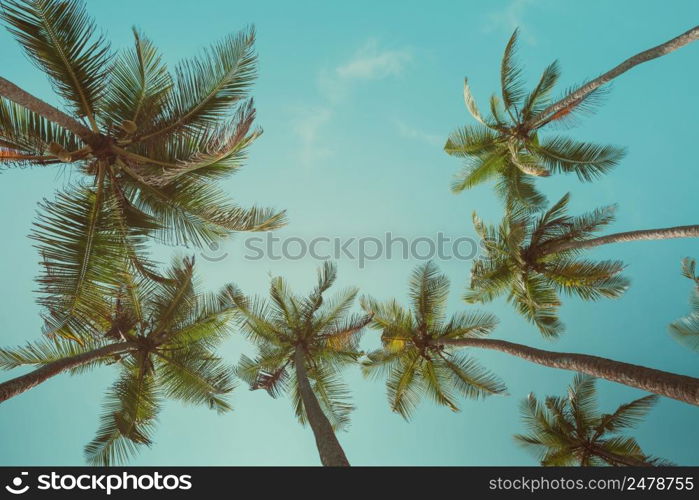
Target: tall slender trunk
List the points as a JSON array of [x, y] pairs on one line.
[[644, 234], [25, 382], [615, 459], [650, 54], [329, 449], [15, 94], [671, 385]]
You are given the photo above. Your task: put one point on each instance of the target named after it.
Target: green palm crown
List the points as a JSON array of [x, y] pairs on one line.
[[150, 145], [522, 259], [412, 359], [570, 430], [320, 332], [170, 334], [506, 145]]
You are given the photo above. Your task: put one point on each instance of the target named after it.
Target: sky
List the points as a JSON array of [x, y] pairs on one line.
[[356, 100]]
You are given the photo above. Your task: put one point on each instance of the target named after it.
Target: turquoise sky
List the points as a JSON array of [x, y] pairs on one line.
[[356, 100]]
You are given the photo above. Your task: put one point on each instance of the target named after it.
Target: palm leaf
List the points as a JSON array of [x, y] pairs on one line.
[[82, 256], [129, 416], [196, 376], [60, 38], [511, 82], [207, 88], [139, 86]]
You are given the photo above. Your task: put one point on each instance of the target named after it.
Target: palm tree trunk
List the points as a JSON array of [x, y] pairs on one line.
[[671, 385], [644, 234], [329, 449], [15, 94], [650, 54], [25, 382], [614, 459]]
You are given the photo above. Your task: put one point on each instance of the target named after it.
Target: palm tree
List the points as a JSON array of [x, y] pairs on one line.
[[411, 359], [303, 343], [686, 329], [162, 336], [572, 431], [404, 339], [534, 258], [149, 146], [505, 146]]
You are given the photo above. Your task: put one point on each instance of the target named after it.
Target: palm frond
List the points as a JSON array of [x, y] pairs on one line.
[[468, 325], [470, 379], [686, 330], [477, 171], [208, 88], [537, 301], [627, 415], [221, 152], [333, 396], [195, 212], [82, 257], [23, 131], [588, 161], [196, 376], [518, 191], [48, 350], [471, 104], [61, 39], [378, 363], [539, 98], [438, 384], [428, 292], [403, 386], [138, 88], [511, 83], [586, 279], [130, 411]]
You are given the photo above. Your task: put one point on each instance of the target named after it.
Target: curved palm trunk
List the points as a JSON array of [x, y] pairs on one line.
[[25, 382], [329, 449], [647, 55], [614, 459], [15, 94], [671, 385], [666, 233]]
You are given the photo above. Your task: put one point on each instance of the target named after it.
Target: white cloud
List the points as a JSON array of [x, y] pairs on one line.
[[307, 127], [412, 133], [369, 63], [372, 63], [510, 17]]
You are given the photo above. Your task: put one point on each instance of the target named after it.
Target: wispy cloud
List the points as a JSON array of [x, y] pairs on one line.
[[307, 127], [409, 132], [370, 62], [510, 17]]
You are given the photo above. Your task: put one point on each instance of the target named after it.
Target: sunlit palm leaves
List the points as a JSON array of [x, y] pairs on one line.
[[171, 333], [156, 144], [570, 430], [686, 329], [506, 145], [323, 330], [62, 40], [174, 331], [413, 361], [523, 262]]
